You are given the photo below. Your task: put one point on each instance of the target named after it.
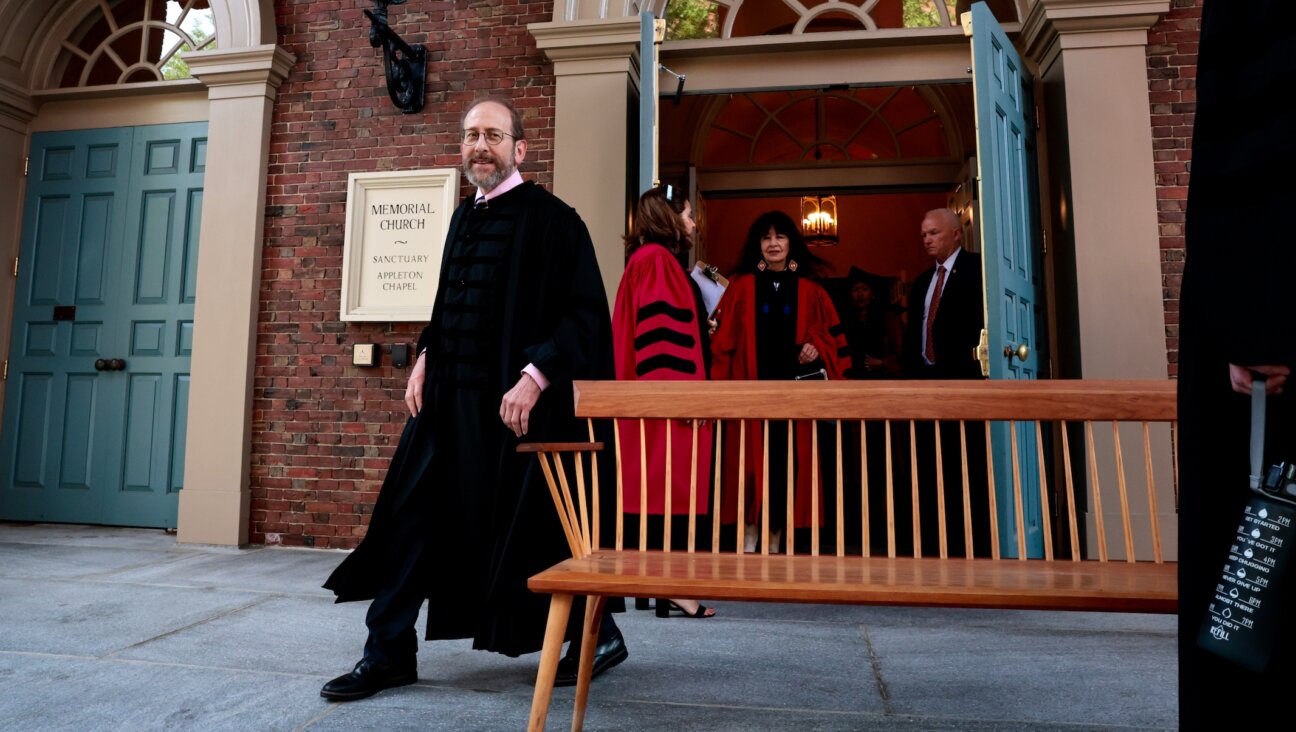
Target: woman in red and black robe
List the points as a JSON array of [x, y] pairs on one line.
[[774, 324], [659, 333]]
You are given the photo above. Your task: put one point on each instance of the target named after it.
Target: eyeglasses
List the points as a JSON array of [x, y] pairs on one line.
[[493, 137]]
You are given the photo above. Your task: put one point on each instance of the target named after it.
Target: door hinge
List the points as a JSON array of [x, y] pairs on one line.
[[26, 164], [1044, 242], [15, 269], [6, 371], [1037, 118]]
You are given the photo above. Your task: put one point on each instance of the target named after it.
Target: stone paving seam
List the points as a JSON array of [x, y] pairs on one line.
[[92, 576], [172, 586], [332, 707], [877, 671], [196, 623], [167, 664], [948, 722]]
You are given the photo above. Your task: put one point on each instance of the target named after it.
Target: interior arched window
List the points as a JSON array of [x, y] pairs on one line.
[[823, 127]]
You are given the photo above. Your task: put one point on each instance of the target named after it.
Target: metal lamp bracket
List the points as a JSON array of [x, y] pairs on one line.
[[406, 65]]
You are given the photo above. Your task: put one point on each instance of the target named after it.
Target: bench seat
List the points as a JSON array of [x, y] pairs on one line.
[[928, 582]]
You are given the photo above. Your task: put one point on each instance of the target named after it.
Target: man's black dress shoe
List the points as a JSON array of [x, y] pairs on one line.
[[606, 655], [369, 678]]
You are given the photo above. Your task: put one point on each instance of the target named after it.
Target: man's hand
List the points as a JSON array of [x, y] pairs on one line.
[[808, 353], [515, 407], [414, 388], [1241, 376]]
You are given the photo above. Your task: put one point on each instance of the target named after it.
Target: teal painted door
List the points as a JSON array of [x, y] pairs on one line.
[[1010, 257], [108, 265]]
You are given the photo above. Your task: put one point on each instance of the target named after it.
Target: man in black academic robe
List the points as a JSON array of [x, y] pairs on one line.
[[1236, 317], [463, 519]]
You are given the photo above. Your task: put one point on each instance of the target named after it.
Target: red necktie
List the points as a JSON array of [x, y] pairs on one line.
[[930, 351]]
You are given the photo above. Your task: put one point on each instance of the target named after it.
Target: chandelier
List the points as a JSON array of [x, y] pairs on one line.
[[819, 220]]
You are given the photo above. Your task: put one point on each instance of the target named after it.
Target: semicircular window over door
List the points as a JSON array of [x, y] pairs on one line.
[[135, 41]]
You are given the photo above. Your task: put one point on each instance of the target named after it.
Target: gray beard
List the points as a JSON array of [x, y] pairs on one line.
[[489, 182]]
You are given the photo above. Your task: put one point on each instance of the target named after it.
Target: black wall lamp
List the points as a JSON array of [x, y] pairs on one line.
[[406, 65], [679, 83]]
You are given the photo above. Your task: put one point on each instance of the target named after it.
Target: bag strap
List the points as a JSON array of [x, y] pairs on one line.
[[1257, 428]]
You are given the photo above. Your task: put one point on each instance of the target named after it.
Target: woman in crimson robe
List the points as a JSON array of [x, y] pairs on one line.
[[775, 323], [660, 333]]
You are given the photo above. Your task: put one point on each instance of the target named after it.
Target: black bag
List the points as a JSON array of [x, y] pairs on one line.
[[1244, 617]]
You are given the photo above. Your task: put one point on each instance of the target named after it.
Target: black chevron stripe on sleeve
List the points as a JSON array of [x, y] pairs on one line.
[[661, 307], [664, 334], [665, 361], [837, 330]]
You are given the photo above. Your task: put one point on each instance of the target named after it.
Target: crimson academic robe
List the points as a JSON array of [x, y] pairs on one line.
[[733, 354], [656, 336]]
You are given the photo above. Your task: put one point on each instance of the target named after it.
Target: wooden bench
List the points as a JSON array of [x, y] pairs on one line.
[[1071, 441]]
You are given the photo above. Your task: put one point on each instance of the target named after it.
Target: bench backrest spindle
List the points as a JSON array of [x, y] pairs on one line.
[[949, 515]]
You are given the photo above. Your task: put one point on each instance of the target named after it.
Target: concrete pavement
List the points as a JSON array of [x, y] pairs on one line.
[[123, 629]]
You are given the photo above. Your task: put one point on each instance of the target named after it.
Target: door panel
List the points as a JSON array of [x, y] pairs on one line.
[[159, 257], [110, 239], [76, 469], [32, 417], [1005, 156]]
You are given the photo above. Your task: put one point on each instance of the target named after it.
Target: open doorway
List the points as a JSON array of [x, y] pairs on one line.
[[887, 154]]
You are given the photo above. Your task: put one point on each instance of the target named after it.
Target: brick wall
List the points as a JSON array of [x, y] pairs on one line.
[[1172, 87], [323, 430]]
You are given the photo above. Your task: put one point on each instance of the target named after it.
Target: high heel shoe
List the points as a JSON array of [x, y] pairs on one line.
[[664, 608]]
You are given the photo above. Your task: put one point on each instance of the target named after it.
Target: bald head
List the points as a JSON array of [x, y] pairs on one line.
[[941, 233], [514, 127]]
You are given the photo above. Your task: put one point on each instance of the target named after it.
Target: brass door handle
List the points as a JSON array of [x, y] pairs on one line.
[[1022, 352], [982, 353], [109, 364]]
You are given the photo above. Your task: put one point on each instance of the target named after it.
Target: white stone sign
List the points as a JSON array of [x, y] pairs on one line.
[[395, 232]]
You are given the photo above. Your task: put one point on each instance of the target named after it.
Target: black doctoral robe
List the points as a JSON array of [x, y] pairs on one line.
[[1236, 307], [555, 316]]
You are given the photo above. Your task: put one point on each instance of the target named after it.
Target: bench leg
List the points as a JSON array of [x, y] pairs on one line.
[[589, 641], [555, 632]]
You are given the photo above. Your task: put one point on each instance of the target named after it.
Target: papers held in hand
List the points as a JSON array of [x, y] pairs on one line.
[[711, 283]]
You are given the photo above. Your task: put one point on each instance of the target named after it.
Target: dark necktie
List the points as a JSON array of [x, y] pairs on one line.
[[930, 351], [480, 204]]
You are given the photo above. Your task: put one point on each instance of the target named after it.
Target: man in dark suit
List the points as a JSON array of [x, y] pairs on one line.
[[946, 315], [946, 310]]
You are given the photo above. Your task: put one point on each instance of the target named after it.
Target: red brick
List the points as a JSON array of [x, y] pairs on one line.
[[1172, 72]]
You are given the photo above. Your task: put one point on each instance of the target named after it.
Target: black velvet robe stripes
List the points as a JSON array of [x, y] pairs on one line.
[[556, 317]]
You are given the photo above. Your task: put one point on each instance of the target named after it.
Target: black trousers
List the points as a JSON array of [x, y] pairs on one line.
[[394, 612]]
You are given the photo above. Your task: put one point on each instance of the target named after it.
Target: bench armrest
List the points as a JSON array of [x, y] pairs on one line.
[[560, 447]]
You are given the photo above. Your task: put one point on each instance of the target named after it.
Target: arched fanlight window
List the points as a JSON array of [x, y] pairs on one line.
[[133, 41], [693, 19]]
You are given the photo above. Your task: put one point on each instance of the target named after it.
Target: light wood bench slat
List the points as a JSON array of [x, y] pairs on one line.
[[1073, 400], [928, 582]]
